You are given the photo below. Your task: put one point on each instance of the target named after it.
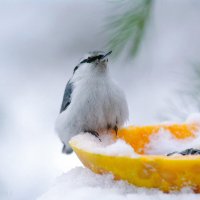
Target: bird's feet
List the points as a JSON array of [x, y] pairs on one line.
[[116, 129], [96, 134]]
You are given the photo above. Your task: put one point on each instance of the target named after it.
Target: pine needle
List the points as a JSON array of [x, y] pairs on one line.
[[128, 28]]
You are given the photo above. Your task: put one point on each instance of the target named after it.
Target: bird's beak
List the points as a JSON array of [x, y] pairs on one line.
[[107, 54]]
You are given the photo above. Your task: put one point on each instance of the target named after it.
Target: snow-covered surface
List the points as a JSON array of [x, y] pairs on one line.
[[164, 142], [81, 183], [107, 146]]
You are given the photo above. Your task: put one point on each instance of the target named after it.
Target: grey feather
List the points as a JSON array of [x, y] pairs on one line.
[[67, 96], [66, 149]]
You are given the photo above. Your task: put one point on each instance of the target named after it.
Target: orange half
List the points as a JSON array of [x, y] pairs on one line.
[[166, 173]]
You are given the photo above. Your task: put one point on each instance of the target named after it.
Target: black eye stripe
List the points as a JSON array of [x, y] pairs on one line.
[[84, 61], [75, 69], [91, 59]]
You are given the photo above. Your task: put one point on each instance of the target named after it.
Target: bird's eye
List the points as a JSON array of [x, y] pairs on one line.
[[91, 59], [100, 56]]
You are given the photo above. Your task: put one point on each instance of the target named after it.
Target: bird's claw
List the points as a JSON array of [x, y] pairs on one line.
[[95, 133], [116, 129]]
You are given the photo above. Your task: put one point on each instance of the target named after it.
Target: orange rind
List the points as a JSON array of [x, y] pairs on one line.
[[166, 173]]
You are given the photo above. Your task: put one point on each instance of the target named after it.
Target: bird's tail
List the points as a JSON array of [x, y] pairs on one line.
[[66, 149]]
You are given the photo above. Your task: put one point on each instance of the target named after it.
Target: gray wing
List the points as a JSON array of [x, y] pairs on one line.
[[67, 96]]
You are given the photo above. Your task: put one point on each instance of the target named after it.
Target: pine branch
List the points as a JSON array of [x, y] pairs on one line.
[[129, 27]]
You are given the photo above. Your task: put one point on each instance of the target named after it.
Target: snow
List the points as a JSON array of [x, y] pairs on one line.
[[107, 146], [168, 143], [80, 183], [164, 142]]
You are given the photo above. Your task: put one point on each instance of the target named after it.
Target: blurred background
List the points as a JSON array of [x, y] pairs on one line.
[[156, 56]]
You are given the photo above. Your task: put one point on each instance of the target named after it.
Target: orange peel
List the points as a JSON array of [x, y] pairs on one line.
[[166, 173]]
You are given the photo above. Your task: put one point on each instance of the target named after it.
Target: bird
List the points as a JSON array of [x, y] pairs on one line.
[[92, 101]]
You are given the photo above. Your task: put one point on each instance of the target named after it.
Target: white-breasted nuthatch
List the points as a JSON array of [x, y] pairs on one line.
[[92, 102]]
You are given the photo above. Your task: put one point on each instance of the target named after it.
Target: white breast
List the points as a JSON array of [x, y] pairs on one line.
[[97, 102]]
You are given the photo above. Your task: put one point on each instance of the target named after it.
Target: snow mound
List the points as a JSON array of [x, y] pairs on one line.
[[81, 183], [107, 146]]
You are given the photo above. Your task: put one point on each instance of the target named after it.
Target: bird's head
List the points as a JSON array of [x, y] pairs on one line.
[[93, 62]]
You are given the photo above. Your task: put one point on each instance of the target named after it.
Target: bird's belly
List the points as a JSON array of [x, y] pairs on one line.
[[98, 106], [100, 115]]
